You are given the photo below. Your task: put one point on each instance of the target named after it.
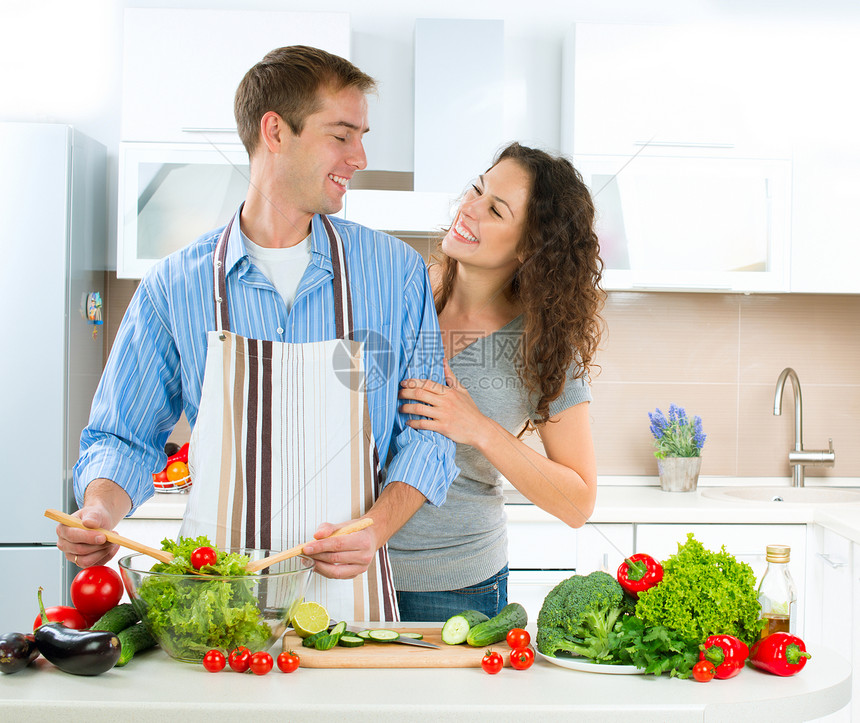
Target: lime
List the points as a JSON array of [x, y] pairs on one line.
[[310, 618]]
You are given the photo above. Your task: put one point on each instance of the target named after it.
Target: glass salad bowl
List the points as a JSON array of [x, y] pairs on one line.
[[190, 614]]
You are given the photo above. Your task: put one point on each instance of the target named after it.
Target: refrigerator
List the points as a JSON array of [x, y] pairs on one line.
[[53, 224]]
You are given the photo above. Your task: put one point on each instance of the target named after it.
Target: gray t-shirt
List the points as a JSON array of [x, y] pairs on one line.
[[465, 541]]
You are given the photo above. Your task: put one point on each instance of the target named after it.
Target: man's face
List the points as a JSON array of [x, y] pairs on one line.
[[315, 166]]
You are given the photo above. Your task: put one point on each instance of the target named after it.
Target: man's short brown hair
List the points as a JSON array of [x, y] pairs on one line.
[[287, 81]]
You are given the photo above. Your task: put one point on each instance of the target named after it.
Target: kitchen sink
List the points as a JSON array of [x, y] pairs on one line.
[[789, 495]]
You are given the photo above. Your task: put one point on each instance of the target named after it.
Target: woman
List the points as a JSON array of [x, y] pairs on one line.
[[518, 297]]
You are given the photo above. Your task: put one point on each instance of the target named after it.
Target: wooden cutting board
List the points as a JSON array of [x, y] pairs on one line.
[[395, 655]]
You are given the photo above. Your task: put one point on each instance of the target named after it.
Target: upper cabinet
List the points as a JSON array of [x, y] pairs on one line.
[[182, 167], [720, 158], [181, 67], [691, 185]]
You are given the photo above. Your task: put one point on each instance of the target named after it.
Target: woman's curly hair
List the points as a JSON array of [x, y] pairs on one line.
[[558, 282]]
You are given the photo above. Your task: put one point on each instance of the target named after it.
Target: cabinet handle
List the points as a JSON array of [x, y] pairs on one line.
[[833, 563], [208, 130], [683, 144]]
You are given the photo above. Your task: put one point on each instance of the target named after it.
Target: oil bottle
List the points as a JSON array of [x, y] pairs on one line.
[[777, 593]]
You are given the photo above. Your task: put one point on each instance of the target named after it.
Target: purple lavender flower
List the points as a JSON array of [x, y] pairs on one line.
[[676, 436]]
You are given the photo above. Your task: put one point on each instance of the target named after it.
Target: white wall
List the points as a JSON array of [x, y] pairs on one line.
[[60, 60]]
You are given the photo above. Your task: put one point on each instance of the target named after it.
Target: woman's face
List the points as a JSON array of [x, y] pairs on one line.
[[489, 225]]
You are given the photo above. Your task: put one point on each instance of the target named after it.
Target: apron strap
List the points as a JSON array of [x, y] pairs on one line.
[[342, 294], [219, 279]]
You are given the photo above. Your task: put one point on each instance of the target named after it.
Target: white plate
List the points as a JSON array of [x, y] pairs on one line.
[[575, 664]]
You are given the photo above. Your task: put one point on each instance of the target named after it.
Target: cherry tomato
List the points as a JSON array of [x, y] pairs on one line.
[[64, 614], [214, 661], [261, 662], [522, 658], [240, 659], [288, 661], [703, 671], [492, 662], [203, 556], [96, 590], [518, 639], [177, 471]]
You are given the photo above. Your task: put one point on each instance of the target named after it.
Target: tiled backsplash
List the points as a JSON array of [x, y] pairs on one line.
[[719, 356]]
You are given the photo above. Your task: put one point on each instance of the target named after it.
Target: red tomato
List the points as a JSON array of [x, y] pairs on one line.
[[240, 659], [214, 661], [160, 478], [261, 662], [703, 671], [64, 614], [492, 662], [518, 639], [522, 658], [96, 590], [203, 556], [288, 661]]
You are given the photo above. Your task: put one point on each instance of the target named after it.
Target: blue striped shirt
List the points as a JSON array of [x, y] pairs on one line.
[[155, 369]]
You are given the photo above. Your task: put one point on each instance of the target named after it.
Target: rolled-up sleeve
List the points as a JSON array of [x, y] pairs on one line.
[[420, 458], [136, 405]]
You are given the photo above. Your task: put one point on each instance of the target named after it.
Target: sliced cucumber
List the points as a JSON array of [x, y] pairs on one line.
[[363, 634], [457, 627], [327, 642], [382, 635], [350, 641], [414, 636], [311, 640]]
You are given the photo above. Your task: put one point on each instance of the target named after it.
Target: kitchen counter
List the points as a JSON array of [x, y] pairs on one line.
[[649, 504], [154, 688]]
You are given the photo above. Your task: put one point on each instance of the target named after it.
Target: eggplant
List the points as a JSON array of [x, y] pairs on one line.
[[79, 652], [17, 651]]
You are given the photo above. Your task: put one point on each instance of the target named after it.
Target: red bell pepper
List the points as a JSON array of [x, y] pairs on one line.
[[780, 654], [727, 653], [180, 456], [639, 572]]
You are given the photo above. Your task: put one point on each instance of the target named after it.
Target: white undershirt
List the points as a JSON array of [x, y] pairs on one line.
[[283, 267]]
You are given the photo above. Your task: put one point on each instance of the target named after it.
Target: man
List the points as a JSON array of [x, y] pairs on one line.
[[245, 330]]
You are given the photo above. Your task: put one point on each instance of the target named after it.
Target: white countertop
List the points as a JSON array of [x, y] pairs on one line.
[[634, 500], [155, 688]]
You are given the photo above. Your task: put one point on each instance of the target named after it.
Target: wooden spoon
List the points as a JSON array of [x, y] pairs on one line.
[[297, 550], [70, 521]]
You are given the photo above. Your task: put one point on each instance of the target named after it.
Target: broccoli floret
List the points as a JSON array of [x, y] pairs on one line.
[[579, 614]]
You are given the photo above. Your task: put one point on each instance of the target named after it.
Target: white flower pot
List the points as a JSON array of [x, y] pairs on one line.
[[679, 474]]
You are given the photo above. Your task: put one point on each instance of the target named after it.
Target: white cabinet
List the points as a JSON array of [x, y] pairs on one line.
[[181, 67], [679, 142], [746, 542], [542, 554]]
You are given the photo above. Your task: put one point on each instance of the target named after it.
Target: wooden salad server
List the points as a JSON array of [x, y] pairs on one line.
[[354, 526], [70, 521]]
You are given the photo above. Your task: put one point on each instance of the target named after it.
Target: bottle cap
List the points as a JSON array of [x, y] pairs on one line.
[[778, 553]]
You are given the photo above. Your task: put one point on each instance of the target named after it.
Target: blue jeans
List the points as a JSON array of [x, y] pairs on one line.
[[488, 597]]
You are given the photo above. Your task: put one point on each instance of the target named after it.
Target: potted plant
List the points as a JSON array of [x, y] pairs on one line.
[[678, 443]]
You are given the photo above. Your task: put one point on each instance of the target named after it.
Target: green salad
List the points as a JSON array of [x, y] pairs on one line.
[[193, 614]]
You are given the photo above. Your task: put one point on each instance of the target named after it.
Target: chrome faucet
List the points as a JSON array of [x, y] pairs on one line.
[[799, 457]]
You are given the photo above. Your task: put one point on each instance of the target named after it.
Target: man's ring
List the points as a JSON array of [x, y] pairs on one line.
[[76, 560]]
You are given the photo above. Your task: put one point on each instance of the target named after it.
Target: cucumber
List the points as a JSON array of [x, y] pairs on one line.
[[133, 640], [381, 635], [457, 627], [495, 629], [117, 619], [329, 641], [311, 640], [348, 640], [364, 634], [414, 636]]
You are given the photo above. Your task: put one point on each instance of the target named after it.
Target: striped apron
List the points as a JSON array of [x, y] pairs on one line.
[[283, 442]]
